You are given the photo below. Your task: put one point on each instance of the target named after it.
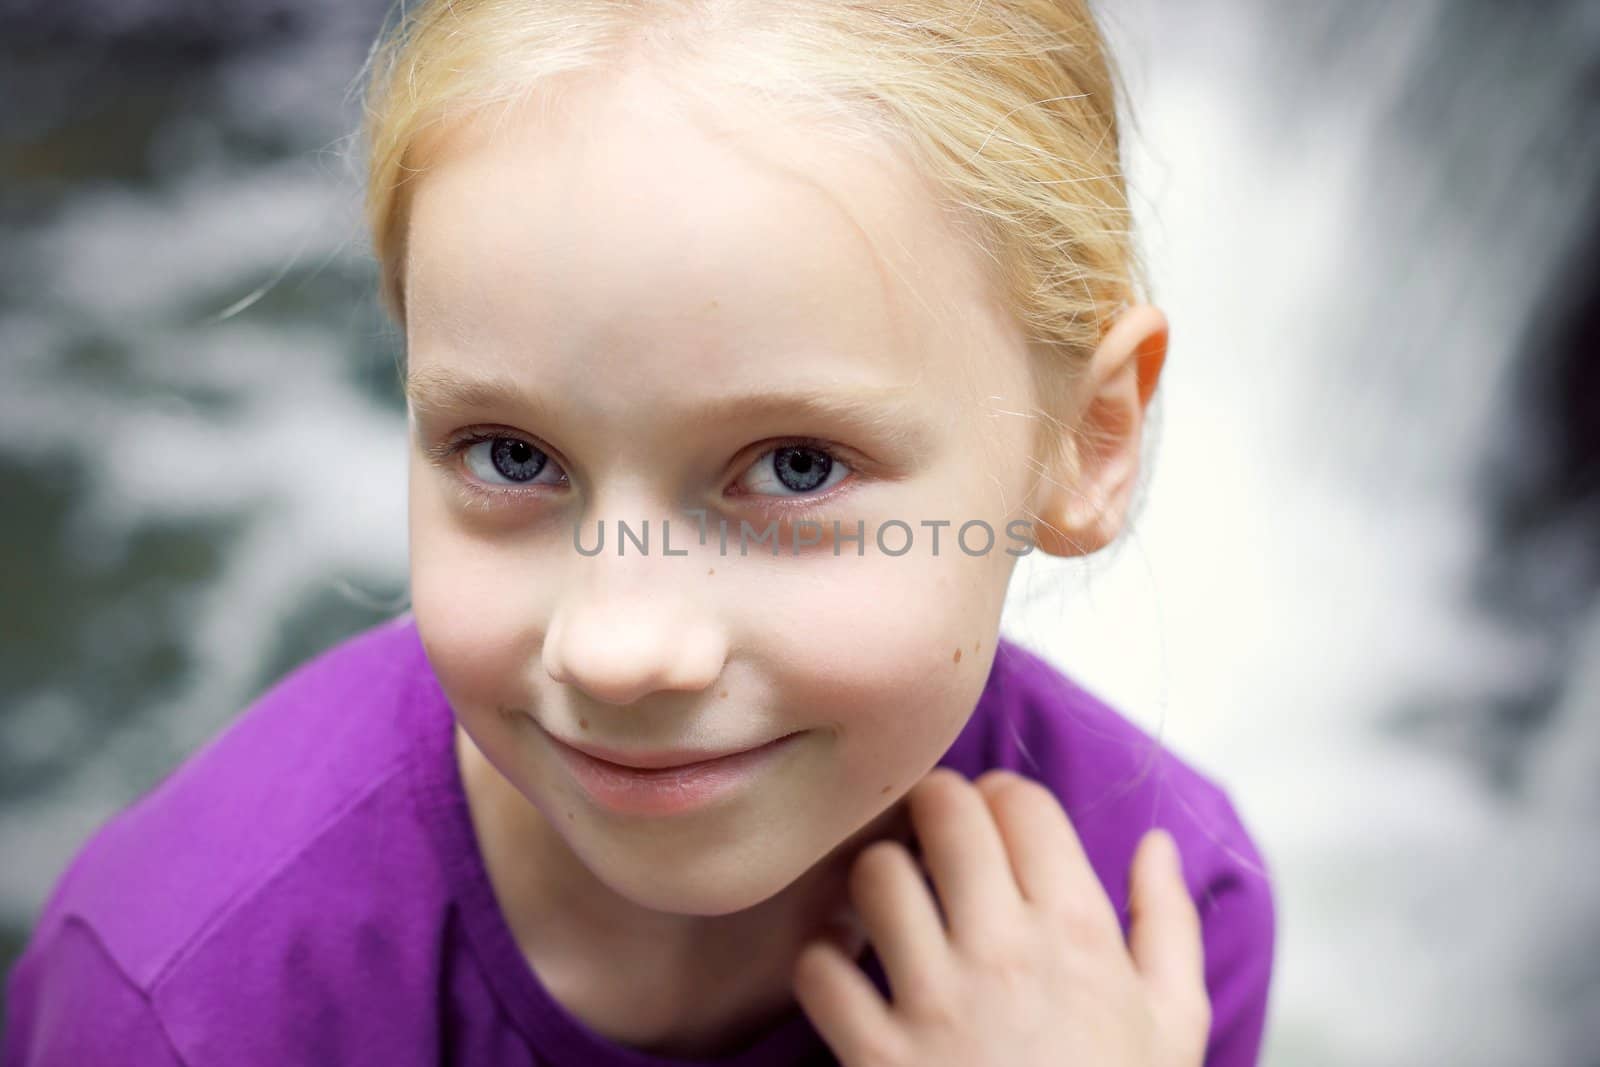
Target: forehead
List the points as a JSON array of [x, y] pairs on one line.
[[629, 238]]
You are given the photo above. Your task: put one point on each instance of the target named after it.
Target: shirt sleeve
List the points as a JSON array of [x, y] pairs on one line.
[[1239, 932], [68, 1003]]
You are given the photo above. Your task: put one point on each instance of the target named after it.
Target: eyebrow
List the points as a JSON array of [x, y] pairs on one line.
[[883, 411]]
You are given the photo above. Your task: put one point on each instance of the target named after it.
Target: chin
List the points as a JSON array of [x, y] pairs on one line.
[[710, 882], [704, 899]]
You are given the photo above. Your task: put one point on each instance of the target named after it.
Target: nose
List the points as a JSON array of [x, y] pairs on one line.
[[620, 639]]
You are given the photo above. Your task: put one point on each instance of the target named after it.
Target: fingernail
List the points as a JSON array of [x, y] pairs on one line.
[[1167, 850]]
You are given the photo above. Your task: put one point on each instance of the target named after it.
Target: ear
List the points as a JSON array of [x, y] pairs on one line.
[[1083, 502]]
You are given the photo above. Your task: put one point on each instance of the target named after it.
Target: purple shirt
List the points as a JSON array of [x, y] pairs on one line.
[[307, 887]]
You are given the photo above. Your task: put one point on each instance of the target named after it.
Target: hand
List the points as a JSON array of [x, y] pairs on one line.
[[1026, 965]]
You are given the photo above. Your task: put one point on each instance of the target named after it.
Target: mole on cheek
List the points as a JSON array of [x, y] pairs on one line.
[[712, 570], [885, 789], [957, 657], [723, 694], [583, 724]]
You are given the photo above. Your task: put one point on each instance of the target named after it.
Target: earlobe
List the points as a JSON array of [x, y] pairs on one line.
[[1084, 499]]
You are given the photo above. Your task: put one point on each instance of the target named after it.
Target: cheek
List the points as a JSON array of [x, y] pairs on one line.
[[892, 651], [477, 608], [904, 620]]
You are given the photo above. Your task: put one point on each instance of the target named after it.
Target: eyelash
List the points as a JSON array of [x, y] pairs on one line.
[[480, 495]]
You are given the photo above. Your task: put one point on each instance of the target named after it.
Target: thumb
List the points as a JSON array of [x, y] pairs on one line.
[[1164, 935]]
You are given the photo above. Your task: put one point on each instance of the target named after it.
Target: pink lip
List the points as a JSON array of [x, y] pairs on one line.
[[668, 790], [680, 759]]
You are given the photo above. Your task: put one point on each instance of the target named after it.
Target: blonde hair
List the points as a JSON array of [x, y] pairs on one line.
[[1007, 106]]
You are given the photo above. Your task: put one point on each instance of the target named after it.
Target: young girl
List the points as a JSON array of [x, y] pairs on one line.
[[748, 346]]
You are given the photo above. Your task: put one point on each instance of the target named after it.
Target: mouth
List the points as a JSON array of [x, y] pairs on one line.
[[674, 788], [674, 760]]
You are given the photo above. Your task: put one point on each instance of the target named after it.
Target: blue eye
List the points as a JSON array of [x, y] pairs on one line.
[[795, 469], [510, 458], [505, 468]]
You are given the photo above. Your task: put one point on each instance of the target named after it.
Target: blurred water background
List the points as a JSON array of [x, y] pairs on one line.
[[1362, 593]]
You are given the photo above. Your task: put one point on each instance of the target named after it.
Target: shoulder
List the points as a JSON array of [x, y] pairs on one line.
[[311, 761], [60, 985], [1116, 782]]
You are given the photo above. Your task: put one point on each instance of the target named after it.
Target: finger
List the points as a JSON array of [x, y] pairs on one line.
[[1049, 862], [900, 916], [1164, 935], [1038, 837], [964, 853], [843, 1005]]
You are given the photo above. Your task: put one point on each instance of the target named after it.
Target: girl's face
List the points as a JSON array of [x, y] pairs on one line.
[[630, 319]]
